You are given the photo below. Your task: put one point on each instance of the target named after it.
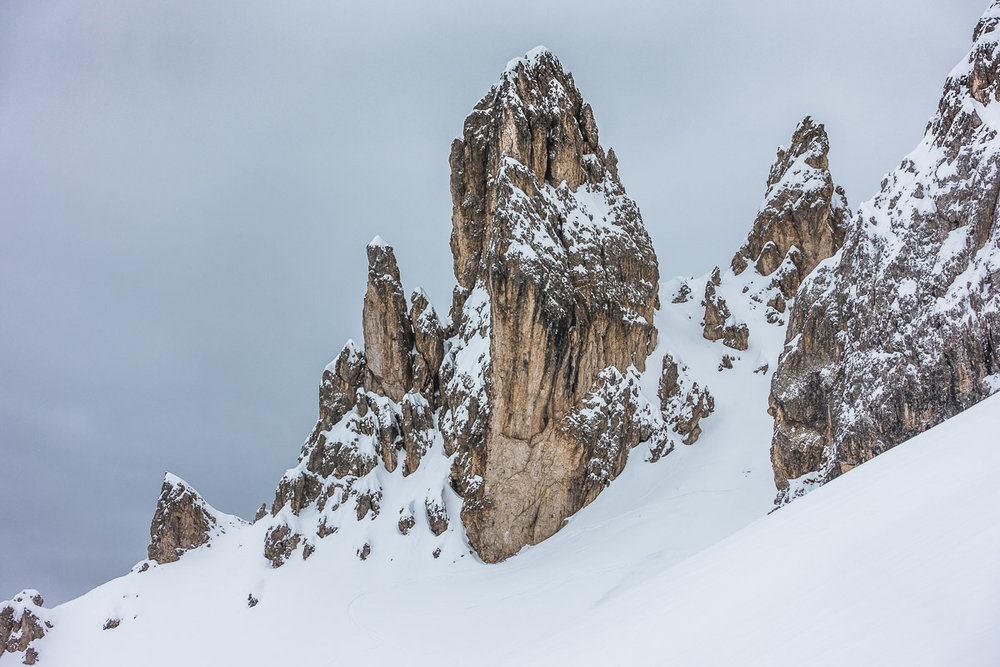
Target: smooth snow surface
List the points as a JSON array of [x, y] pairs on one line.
[[676, 562]]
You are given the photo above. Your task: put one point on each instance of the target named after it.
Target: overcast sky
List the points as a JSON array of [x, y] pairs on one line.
[[186, 189]]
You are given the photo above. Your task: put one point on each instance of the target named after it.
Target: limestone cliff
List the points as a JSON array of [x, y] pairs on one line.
[[545, 235], [388, 332], [901, 330], [522, 408]]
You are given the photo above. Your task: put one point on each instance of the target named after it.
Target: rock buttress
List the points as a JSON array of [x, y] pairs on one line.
[[804, 216], [902, 329], [545, 237]]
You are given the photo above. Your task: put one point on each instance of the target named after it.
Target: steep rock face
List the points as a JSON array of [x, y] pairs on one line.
[[22, 621], [182, 521], [901, 329], [338, 388], [388, 333], [522, 408], [429, 342], [545, 238]]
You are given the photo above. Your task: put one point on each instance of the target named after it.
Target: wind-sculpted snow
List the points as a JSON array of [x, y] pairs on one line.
[[901, 329]]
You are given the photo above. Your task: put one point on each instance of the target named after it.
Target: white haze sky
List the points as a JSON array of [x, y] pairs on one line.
[[186, 189]]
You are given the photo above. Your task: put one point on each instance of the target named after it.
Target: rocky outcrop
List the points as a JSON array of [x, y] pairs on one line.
[[804, 216], [388, 333], [437, 515], [718, 323], [545, 237], [182, 521], [902, 329], [801, 222], [429, 343], [22, 621], [608, 423], [524, 406], [338, 389], [279, 544], [682, 402], [417, 423]]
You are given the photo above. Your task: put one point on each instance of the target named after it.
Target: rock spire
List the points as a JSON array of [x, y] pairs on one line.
[[546, 239]]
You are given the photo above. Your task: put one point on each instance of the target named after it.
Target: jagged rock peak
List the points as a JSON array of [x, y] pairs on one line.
[[534, 117], [182, 521], [902, 329], [22, 621], [547, 243], [801, 222], [804, 216], [560, 125], [523, 407], [388, 332]]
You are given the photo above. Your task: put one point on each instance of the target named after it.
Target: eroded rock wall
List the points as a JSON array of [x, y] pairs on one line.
[[543, 230], [901, 330]]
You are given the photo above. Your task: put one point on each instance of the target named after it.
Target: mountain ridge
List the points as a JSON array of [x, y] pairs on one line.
[[441, 436]]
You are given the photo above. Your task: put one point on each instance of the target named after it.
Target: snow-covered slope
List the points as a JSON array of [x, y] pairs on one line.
[[373, 590], [404, 604], [676, 561], [893, 563]]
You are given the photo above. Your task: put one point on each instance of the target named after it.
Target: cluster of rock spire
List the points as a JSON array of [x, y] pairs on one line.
[[529, 391]]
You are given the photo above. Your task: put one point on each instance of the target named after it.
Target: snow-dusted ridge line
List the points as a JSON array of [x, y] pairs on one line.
[[360, 544], [528, 59], [901, 328]]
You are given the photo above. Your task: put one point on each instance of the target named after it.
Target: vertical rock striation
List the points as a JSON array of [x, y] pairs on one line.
[[901, 329], [546, 238], [522, 408], [388, 332]]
